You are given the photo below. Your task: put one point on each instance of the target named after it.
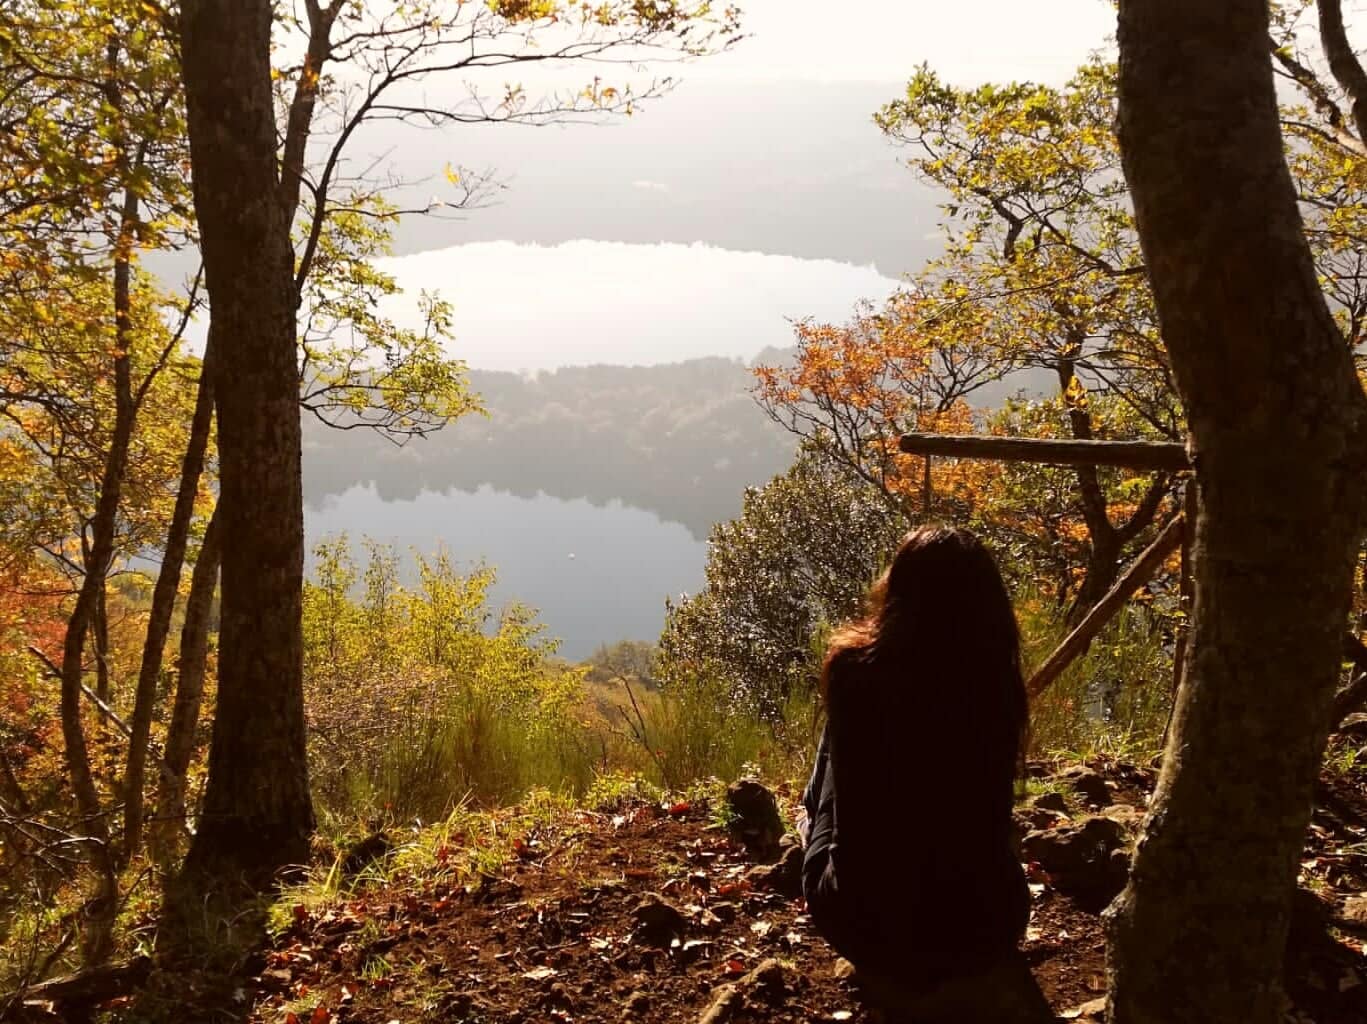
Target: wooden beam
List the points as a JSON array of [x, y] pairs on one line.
[[1139, 573], [1151, 455]]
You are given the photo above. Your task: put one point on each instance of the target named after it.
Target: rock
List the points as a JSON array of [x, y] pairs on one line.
[[1080, 859], [754, 817], [637, 1005], [1088, 783], [361, 855], [724, 910], [767, 981], [1354, 911], [1130, 817], [657, 920], [843, 970], [1093, 1010], [727, 1002], [784, 876], [1050, 802]]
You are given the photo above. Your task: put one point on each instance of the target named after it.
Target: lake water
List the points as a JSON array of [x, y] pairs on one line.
[[596, 573]]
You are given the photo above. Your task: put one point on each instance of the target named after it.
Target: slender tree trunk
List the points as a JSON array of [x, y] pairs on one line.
[[101, 552], [194, 654], [103, 686], [257, 816], [1103, 557], [1275, 414], [164, 603], [99, 911]]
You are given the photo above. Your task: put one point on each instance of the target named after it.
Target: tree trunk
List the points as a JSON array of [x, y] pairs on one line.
[[180, 733], [164, 604], [90, 598], [1275, 413], [257, 816], [1103, 557]]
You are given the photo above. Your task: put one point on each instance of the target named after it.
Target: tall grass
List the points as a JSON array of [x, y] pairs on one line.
[[1116, 698]]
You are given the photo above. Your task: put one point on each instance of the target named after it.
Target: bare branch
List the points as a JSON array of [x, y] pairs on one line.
[[1343, 61]]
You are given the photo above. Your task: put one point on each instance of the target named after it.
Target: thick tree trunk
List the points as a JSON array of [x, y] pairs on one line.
[[257, 816], [180, 733], [1275, 415], [164, 604]]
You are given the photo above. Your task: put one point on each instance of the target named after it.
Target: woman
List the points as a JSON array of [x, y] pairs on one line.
[[909, 871]]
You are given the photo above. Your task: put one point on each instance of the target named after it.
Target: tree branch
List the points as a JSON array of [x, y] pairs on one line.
[[1343, 62]]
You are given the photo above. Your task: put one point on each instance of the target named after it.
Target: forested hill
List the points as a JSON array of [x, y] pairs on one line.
[[682, 440]]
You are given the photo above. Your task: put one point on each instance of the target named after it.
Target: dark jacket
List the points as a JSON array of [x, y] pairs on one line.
[[909, 863]]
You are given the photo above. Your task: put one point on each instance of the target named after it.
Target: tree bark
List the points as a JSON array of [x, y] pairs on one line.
[[180, 733], [90, 598], [164, 603], [257, 815], [1275, 414]]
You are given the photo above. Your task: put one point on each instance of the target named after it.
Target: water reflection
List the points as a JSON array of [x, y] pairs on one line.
[[597, 573]]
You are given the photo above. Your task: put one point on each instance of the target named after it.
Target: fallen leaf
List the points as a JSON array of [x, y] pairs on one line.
[[540, 973], [682, 807]]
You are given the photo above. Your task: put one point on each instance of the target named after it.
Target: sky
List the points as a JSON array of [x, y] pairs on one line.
[[882, 40], [759, 190], [767, 155]]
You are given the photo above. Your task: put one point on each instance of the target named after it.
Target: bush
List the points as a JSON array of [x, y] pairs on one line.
[[420, 700]]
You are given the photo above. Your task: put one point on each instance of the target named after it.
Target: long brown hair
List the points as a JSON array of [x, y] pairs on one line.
[[941, 613]]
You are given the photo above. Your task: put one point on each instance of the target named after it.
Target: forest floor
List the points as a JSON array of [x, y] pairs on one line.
[[657, 914]]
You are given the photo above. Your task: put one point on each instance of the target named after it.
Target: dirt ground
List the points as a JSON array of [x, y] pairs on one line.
[[559, 935]]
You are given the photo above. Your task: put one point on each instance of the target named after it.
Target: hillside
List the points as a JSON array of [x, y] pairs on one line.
[[682, 440], [659, 913]]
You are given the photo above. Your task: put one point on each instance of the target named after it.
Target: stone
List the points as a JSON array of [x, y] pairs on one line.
[[755, 817], [657, 920], [726, 1003], [783, 876], [1088, 783], [1093, 1010], [1129, 816], [637, 1004], [1354, 911], [843, 970], [360, 855], [766, 980], [1050, 802], [1080, 859]]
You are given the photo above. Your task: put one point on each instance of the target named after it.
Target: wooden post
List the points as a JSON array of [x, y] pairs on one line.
[[1139, 573], [1186, 587], [926, 493], [1141, 455]]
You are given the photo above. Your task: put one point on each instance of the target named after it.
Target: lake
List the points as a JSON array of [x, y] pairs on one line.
[[595, 573]]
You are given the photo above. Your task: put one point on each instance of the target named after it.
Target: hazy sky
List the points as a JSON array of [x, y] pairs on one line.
[[767, 149], [864, 40]]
